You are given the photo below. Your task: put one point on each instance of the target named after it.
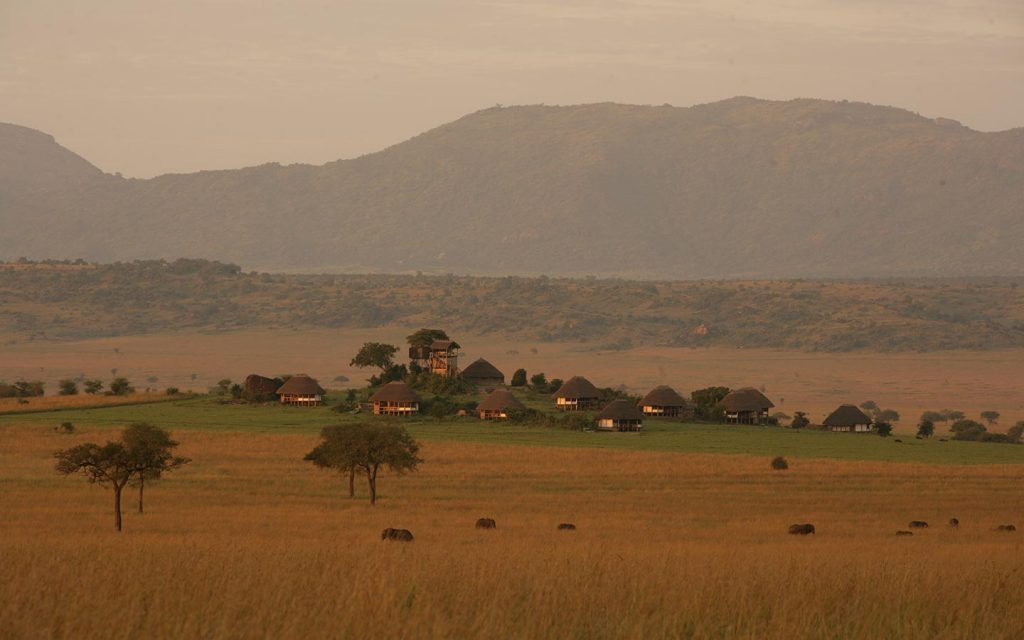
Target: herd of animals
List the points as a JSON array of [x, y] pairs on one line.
[[404, 535], [805, 529]]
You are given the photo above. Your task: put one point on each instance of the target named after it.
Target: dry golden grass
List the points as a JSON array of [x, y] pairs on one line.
[[249, 541], [81, 401], [970, 381]]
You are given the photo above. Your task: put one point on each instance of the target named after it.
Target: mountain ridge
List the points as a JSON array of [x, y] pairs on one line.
[[738, 188]]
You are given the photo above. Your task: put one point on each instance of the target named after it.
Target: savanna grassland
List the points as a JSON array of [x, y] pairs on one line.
[[250, 541]]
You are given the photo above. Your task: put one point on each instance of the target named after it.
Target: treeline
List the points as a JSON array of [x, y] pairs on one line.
[[40, 302]]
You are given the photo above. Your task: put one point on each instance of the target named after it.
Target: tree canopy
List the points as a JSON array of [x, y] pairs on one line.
[[365, 449], [375, 354]]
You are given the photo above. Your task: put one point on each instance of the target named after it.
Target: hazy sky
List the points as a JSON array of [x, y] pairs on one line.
[[150, 86]]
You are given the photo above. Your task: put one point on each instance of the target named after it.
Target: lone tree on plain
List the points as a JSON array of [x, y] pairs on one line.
[[364, 449], [92, 386], [151, 451], [107, 464], [925, 428], [121, 387], [68, 387], [375, 354], [991, 417]]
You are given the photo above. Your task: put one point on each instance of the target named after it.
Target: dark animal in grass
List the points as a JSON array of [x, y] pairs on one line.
[[918, 524], [566, 526], [904, 533], [897, 440], [398, 535], [486, 523], [1006, 527], [954, 522], [801, 529]]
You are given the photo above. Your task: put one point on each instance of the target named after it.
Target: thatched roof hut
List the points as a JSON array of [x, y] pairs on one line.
[[576, 394], [498, 404], [746, 406], [257, 386], [620, 415], [396, 399], [848, 418], [663, 401], [482, 373], [301, 390]]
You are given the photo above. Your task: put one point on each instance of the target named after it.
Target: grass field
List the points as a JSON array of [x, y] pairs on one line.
[[250, 541], [970, 381]]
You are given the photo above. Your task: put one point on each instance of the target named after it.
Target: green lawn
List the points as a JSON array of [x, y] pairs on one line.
[[204, 413]]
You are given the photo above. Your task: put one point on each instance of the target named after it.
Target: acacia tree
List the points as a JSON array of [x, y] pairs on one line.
[[107, 464], [991, 417], [925, 428], [375, 354], [364, 449], [426, 337], [151, 451]]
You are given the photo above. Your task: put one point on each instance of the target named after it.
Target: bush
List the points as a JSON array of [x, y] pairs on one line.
[[121, 387], [800, 420], [967, 429], [883, 429], [925, 429], [92, 387], [779, 463], [68, 387], [65, 427], [172, 391], [519, 378]]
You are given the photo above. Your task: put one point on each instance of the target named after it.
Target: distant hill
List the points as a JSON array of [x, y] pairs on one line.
[[739, 188], [79, 300]]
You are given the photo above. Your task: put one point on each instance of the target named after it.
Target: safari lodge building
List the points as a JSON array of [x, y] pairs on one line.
[[848, 418], [483, 374], [395, 399], [746, 406], [663, 402], [498, 404], [620, 415], [301, 390], [576, 394]]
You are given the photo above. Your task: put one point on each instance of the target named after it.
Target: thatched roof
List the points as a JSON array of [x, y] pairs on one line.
[[663, 396], [444, 345], [501, 400], [300, 385], [846, 416], [620, 409], [577, 387], [396, 391], [482, 370], [746, 399]]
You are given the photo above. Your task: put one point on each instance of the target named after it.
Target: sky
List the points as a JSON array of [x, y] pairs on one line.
[[144, 87]]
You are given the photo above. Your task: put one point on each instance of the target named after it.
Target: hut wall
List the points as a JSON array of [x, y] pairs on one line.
[[302, 400], [385, 408], [575, 404]]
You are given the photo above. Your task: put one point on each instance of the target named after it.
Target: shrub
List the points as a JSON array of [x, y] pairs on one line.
[[779, 463], [800, 420], [92, 387], [1016, 432], [926, 428], [172, 391], [519, 378], [967, 429], [66, 427], [68, 387], [121, 387], [883, 429]]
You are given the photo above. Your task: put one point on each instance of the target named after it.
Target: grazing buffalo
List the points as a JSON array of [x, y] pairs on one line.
[[399, 535], [1006, 527], [904, 533], [566, 526], [486, 523], [918, 524], [954, 522], [801, 529]]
